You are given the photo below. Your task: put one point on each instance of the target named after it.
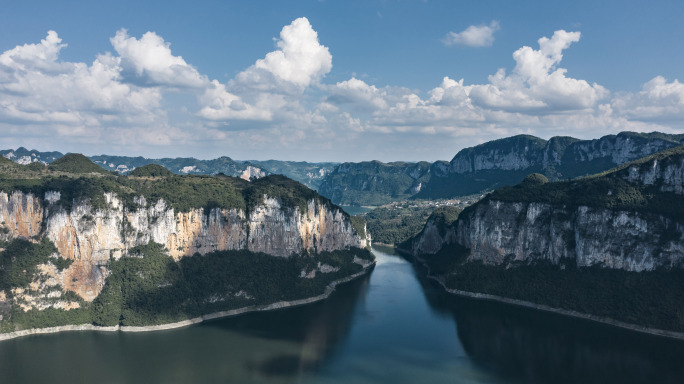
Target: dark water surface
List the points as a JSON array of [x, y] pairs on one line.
[[390, 327]]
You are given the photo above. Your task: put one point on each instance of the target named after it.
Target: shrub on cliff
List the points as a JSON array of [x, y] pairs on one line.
[[535, 179], [151, 170], [75, 163]]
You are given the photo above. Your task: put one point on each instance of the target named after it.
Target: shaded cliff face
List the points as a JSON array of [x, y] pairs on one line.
[[373, 182], [92, 237], [507, 161], [500, 233], [511, 226], [22, 215]]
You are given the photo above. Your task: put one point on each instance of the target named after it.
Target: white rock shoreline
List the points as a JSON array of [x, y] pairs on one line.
[[212, 316], [546, 308]]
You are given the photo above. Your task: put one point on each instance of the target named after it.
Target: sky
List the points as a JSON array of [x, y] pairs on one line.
[[326, 80]]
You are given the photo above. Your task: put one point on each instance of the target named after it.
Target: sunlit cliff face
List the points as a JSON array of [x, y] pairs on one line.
[[91, 237]]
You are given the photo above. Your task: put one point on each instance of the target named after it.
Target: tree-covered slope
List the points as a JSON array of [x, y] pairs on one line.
[[373, 182], [609, 245]]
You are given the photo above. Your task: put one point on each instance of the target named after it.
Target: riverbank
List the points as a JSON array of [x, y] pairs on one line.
[[546, 308], [330, 288]]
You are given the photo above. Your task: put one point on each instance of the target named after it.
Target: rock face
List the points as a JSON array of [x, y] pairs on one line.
[[507, 161], [500, 233], [373, 182], [91, 237]]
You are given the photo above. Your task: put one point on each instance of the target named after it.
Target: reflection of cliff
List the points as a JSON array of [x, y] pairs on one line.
[[317, 330], [539, 347], [546, 348]]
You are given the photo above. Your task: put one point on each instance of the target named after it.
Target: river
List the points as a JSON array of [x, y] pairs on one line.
[[392, 326]]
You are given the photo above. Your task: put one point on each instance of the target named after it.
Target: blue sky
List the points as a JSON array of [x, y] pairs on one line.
[[333, 80]]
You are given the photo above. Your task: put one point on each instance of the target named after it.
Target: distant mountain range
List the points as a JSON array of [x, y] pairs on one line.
[[309, 174], [487, 166], [371, 183]]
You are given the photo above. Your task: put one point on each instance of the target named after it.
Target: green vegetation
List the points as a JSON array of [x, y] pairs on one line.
[[309, 174], [611, 192], [559, 158], [372, 183], [147, 287], [396, 225], [652, 299], [359, 224], [151, 170], [75, 163], [291, 193], [36, 167], [535, 179], [19, 260], [73, 176]]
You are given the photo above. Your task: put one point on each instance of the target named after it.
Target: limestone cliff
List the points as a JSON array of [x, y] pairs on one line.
[[507, 161], [524, 224], [92, 237]]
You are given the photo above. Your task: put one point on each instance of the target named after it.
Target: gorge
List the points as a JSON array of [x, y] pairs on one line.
[[610, 245], [74, 235]]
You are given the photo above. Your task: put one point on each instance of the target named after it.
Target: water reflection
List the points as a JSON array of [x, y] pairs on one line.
[[270, 347], [316, 330], [393, 326], [538, 347]]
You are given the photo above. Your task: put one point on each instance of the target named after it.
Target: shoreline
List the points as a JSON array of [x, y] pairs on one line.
[[560, 311], [329, 289]]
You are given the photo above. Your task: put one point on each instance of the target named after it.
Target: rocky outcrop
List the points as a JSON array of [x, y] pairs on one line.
[[91, 237], [373, 182], [500, 233], [507, 161], [505, 232], [21, 214]]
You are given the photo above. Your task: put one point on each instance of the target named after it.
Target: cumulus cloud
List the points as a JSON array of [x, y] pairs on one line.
[[658, 100], [358, 92], [473, 36], [536, 83], [272, 90], [221, 105], [119, 100], [299, 61], [38, 88], [149, 61]]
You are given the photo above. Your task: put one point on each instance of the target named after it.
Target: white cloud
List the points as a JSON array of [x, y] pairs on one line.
[[658, 100], [358, 92], [124, 102], [536, 83], [149, 62], [221, 105], [473, 36], [272, 90], [38, 88], [299, 61]]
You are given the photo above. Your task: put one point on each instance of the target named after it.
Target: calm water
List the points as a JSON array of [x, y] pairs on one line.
[[391, 327]]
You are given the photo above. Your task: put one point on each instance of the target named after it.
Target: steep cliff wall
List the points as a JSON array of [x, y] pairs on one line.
[[507, 161], [500, 233], [91, 237], [526, 224]]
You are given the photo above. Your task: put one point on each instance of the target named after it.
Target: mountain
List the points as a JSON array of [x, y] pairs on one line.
[[608, 247], [309, 174], [373, 182], [487, 166], [81, 245], [507, 161], [23, 156]]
